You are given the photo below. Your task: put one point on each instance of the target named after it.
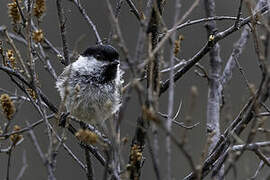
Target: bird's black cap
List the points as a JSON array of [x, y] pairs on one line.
[[102, 52]]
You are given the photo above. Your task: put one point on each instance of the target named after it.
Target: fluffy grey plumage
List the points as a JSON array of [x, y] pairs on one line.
[[91, 86]]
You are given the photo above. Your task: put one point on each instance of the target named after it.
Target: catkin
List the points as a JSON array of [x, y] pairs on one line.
[[8, 106], [38, 36], [14, 13], [15, 138], [39, 8], [87, 136]]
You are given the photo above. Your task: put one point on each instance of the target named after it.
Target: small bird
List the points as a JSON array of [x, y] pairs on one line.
[[90, 87]]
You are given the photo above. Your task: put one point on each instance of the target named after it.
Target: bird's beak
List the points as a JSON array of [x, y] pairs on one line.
[[115, 62]]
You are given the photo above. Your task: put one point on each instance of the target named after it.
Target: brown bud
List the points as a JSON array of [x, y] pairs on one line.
[[135, 154], [14, 13], [8, 106], [149, 114], [32, 93], [38, 36], [11, 58], [39, 8], [15, 138], [9, 53], [177, 44], [87, 136]]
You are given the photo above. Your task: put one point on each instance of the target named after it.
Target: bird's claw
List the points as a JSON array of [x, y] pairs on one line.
[[63, 119]]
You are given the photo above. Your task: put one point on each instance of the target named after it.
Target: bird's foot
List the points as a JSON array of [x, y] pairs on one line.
[[63, 119]]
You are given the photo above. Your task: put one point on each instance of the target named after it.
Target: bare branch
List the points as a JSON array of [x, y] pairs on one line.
[[90, 175], [17, 53], [206, 48], [62, 26], [89, 21], [25, 165], [134, 9]]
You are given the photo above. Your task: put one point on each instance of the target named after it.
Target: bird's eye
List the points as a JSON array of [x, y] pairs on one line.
[[98, 56]]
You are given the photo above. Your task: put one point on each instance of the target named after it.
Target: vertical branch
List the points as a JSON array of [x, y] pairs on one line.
[[31, 62], [142, 35], [90, 172], [239, 14], [114, 152], [154, 66], [116, 13], [214, 90], [137, 145], [151, 101], [8, 163], [267, 37], [154, 158], [153, 86], [62, 25], [171, 93], [138, 141], [116, 121]]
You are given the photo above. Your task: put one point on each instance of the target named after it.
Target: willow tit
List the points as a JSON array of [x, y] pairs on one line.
[[90, 87]]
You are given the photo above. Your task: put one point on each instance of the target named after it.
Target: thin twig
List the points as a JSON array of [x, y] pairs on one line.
[[72, 155], [17, 53], [25, 165], [86, 17], [47, 63], [31, 126], [169, 33], [123, 47], [21, 12], [239, 14], [236, 52], [259, 153], [206, 48], [9, 162], [251, 147], [36, 144], [193, 22], [142, 33], [258, 170], [62, 26], [134, 9], [90, 172], [237, 126]]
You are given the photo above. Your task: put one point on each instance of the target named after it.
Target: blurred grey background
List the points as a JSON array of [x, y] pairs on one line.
[[236, 93]]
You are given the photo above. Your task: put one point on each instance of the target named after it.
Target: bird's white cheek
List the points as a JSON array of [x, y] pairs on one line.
[[85, 65]]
